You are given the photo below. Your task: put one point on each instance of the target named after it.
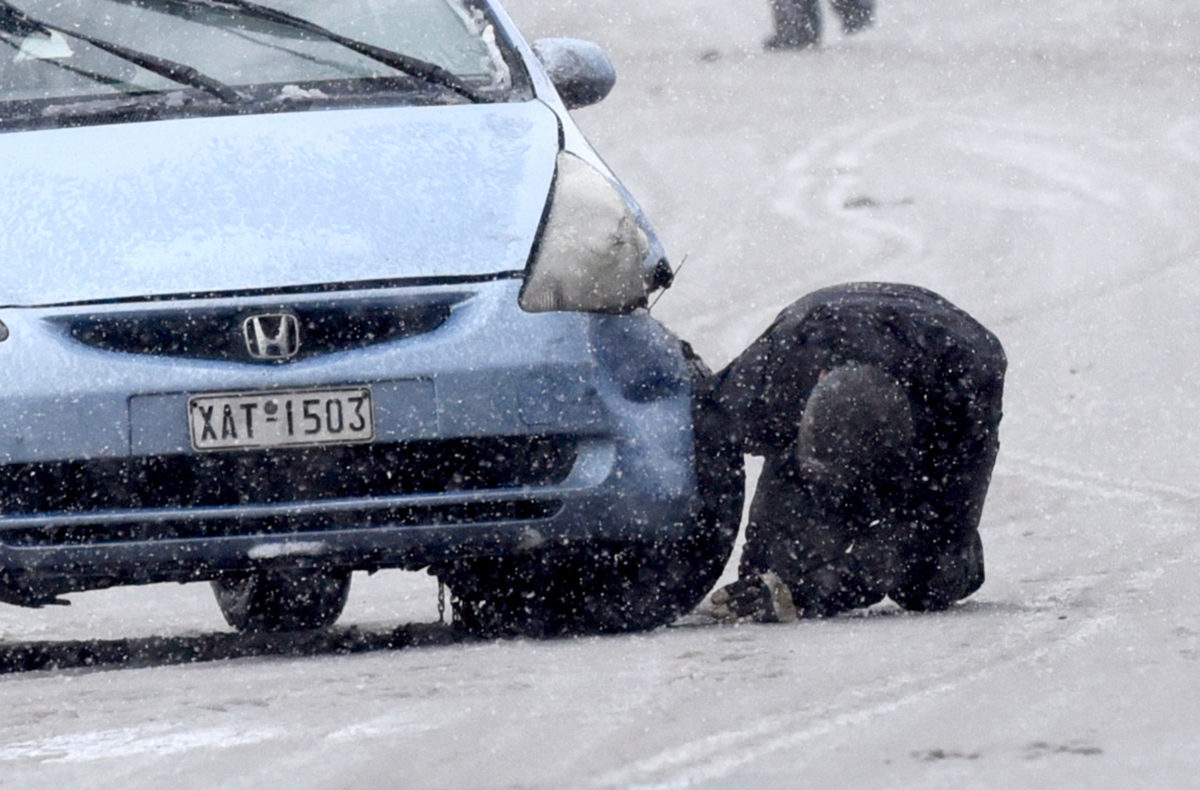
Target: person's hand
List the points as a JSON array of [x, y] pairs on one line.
[[763, 599]]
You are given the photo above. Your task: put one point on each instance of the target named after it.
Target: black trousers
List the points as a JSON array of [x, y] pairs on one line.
[[835, 549], [798, 22]]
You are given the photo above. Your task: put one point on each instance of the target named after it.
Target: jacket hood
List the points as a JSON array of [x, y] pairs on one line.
[[271, 201]]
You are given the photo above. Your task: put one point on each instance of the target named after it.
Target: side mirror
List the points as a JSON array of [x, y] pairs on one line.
[[580, 70]]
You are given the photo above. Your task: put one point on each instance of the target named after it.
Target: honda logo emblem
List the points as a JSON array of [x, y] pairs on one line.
[[273, 336]]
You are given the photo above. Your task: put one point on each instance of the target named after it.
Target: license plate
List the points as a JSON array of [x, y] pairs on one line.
[[279, 418]]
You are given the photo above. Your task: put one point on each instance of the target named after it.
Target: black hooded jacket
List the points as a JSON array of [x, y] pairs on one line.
[[951, 367]]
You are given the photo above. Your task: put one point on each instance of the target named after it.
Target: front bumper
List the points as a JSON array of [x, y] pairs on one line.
[[496, 431]]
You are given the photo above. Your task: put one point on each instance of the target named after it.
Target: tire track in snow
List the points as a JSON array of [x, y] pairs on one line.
[[721, 755], [825, 176], [1097, 485], [717, 756], [131, 742], [1043, 170]]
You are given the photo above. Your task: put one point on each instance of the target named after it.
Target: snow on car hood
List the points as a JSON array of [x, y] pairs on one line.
[[269, 201]]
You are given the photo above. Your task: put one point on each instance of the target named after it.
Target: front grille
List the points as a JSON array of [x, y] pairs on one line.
[[264, 477], [457, 514], [217, 333]]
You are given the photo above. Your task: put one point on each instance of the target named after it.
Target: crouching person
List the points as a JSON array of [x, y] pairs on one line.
[[876, 408]]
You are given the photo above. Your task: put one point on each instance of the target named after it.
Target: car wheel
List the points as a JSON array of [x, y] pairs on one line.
[[282, 600], [598, 587], [938, 582], [584, 589], [547, 594], [589, 589]]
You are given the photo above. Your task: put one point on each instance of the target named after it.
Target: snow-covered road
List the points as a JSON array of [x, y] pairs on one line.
[[1037, 162]]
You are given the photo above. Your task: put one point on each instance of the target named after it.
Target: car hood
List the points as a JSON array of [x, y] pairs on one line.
[[271, 201]]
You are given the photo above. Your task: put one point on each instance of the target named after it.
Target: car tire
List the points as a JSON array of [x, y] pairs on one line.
[[608, 587], [934, 584], [592, 588], [566, 591], [282, 600]]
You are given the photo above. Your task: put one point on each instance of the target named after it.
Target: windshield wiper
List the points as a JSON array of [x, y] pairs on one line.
[[16, 21], [406, 64]]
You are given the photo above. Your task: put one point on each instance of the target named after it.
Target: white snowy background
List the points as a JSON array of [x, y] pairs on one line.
[[1035, 161]]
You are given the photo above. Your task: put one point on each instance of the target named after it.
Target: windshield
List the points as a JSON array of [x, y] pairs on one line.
[[65, 51]]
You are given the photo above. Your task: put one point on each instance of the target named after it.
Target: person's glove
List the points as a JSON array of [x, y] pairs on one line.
[[763, 599]]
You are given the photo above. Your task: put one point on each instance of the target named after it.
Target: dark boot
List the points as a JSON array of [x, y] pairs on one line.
[[934, 578], [797, 24], [856, 14]]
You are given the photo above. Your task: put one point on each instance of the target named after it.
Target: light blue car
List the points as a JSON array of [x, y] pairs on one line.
[[290, 291]]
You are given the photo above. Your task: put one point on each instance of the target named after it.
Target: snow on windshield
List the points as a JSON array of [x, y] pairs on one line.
[[236, 48]]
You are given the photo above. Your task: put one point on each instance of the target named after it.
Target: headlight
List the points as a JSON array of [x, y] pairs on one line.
[[592, 252]]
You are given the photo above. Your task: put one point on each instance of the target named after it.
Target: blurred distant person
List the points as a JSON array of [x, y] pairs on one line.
[[876, 408], [798, 22]]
